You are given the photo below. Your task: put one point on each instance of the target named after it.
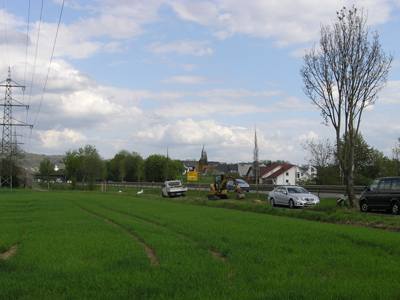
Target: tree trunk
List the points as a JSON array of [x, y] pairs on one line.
[[350, 188], [350, 173]]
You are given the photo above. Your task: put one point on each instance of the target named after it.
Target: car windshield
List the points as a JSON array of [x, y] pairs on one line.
[[297, 190], [240, 180], [174, 183]]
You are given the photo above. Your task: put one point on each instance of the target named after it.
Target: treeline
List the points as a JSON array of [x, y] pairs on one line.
[[369, 163], [87, 166]]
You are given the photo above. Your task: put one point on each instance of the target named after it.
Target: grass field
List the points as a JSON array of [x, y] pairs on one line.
[[77, 245]]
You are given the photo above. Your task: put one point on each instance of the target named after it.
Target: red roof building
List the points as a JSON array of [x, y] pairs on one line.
[[283, 174]]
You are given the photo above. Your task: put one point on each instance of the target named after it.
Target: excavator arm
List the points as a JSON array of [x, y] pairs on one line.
[[219, 188]]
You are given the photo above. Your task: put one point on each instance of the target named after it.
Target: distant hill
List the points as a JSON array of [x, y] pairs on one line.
[[33, 161]]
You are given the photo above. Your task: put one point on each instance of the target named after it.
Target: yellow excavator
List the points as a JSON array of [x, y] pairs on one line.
[[219, 189]]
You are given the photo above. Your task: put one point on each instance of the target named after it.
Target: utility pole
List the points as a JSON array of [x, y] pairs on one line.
[[8, 147], [255, 159]]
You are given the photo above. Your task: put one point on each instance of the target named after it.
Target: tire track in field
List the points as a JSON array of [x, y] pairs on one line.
[[151, 254], [214, 253], [12, 250], [9, 253]]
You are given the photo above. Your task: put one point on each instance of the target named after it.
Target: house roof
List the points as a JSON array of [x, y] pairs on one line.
[[261, 168], [226, 168], [275, 170], [196, 167]]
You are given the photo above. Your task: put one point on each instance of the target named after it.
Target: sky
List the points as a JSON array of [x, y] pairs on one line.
[[176, 75]]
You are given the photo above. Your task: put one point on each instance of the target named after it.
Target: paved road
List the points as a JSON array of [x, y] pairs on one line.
[[34, 187]]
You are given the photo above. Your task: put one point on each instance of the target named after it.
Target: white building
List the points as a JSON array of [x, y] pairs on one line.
[[283, 174]]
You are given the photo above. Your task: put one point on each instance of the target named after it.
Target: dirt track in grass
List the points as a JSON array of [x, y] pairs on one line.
[[215, 254], [151, 254], [9, 253]]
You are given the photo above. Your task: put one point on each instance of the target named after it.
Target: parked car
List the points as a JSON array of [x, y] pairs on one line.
[[382, 193], [244, 186], [292, 196], [173, 188]]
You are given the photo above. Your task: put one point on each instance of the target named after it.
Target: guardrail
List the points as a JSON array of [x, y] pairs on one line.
[[315, 189]]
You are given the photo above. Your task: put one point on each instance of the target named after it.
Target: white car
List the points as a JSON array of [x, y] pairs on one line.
[[173, 188], [292, 196]]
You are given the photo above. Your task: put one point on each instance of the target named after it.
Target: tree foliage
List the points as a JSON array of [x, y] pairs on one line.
[[125, 166], [154, 167], [396, 155], [343, 78], [10, 165], [268, 162], [84, 164], [45, 168]]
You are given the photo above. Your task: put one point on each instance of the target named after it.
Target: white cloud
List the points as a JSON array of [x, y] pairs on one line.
[[76, 110], [187, 80], [54, 139], [286, 21], [390, 94], [308, 137], [198, 48]]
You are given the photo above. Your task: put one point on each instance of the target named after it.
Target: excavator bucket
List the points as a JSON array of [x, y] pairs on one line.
[[240, 196]]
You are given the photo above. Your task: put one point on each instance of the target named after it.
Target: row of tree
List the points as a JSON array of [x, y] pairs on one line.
[[369, 163], [87, 166]]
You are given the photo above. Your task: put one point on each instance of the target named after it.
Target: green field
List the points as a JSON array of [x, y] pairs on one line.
[[75, 245]]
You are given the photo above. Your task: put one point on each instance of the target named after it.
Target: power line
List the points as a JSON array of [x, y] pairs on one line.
[[51, 59], [26, 58], [37, 46], [5, 32]]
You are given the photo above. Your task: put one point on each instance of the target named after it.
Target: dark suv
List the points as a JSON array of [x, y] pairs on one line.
[[382, 193]]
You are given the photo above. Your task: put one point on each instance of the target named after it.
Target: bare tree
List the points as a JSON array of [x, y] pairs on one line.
[[396, 154], [321, 155], [343, 78]]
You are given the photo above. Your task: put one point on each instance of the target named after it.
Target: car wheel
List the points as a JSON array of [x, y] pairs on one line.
[[272, 201], [364, 207], [169, 195], [395, 208], [291, 204], [162, 194]]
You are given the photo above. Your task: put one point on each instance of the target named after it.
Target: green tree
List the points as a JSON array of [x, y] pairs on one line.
[[92, 164], [268, 162], [45, 168], [343, 78], [125, 165], [154, 168], [175, 168], [72, 162], [234, 174], [211, 171]]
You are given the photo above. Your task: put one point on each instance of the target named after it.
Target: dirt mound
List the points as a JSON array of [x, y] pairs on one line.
[[253, 201]]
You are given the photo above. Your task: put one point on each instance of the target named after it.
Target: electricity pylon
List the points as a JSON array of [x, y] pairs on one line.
[[8, 147]]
